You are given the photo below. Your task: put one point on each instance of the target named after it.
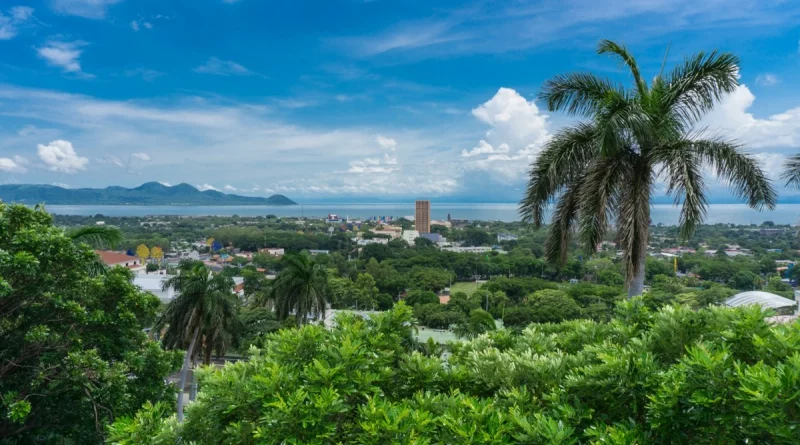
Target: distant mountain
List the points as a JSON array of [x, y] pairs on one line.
[[151, 193]]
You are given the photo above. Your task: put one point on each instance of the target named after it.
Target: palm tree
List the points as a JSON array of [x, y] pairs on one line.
[[607, 166], [203, 305], [301, 286]]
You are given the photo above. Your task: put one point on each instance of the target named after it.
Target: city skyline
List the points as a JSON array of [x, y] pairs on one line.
[[352, 100]]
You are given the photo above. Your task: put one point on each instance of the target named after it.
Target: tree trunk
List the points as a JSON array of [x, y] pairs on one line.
[[637, 284], [193, 389], [184, 371]]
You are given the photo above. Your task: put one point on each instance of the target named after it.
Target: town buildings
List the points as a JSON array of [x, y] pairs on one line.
[[112, 259]]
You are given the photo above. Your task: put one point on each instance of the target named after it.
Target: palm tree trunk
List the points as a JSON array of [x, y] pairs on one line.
[[193, 389], [186, 359], [637, 284]]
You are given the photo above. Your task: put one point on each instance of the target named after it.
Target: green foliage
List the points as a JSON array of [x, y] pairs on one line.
[[151, 267], [416, 297], [552, 306], [478, 322], [674, 376], [518, 288], [73, 354]]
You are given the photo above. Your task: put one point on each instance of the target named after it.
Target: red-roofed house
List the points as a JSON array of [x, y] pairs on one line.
[[112, 259]]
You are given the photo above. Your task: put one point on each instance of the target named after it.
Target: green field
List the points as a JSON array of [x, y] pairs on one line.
[[468, 287]]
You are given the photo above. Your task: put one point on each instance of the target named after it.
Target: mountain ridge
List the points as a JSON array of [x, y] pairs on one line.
[[149, 193]]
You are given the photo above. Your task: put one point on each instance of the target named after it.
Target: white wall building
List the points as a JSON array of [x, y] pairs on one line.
[[410, 235], [479, 249], [153, 284]]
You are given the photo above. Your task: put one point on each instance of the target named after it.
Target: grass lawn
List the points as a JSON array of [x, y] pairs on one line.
[[468, 287]]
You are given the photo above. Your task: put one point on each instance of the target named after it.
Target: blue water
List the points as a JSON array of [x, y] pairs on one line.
[[661, 213]]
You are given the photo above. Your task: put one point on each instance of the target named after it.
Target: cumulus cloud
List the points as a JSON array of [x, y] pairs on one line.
[[204, 187], [767, 79], [731, 119], [484, 147], [60, 156], [229, 188], [221, 67], [166, 184], [369, 165], [387, 143], [518, 132], [62, 185], [13, 165], [90, 9], [65, 55], [141, 156]]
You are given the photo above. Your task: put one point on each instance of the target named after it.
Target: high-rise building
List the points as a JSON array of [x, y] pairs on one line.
[[422, 217]]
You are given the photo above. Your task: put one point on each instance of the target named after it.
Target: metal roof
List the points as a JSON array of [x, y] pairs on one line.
[[763, 299]]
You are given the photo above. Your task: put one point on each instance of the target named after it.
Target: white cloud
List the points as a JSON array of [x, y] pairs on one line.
[[221, 67], [205, 187], [767, 79], [62, 185], [90, 9], [483, 148], [167, 184], [60, 156], [387, 143], [13, 165], [136, 25], [731, 119], [65, 55], [518, 132], [141, 156], [229, 188], [21, 13], [17, 18], [209, 137]]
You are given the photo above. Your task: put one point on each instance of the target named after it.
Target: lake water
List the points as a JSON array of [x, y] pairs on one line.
[[661, 213]]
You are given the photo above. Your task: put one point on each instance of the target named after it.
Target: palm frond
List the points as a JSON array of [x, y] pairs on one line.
[[579, 93], [564, 157], [557, 241], [698, 83], [610, 47], [682, 170], [96, 236], [791, 171], [599, 197], [739, 170]]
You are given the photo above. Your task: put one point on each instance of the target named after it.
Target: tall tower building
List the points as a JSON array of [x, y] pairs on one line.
[[422, 217]]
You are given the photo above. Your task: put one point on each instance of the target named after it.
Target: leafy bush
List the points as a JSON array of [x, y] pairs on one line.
[[672, 376], [553, 306]]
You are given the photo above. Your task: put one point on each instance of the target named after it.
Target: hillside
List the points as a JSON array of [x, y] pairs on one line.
[[151, 193]]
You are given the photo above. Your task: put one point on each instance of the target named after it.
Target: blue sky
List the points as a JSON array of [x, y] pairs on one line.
[[346, 99]]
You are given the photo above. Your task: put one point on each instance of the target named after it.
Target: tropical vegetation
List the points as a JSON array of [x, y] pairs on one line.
[[73, 354], [605, 168]]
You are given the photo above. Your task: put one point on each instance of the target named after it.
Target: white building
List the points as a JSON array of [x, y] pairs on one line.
[[479, 249], [112, 259], [506, 237], [154, 284], [410, 235], [272, 251], [367, 242]]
